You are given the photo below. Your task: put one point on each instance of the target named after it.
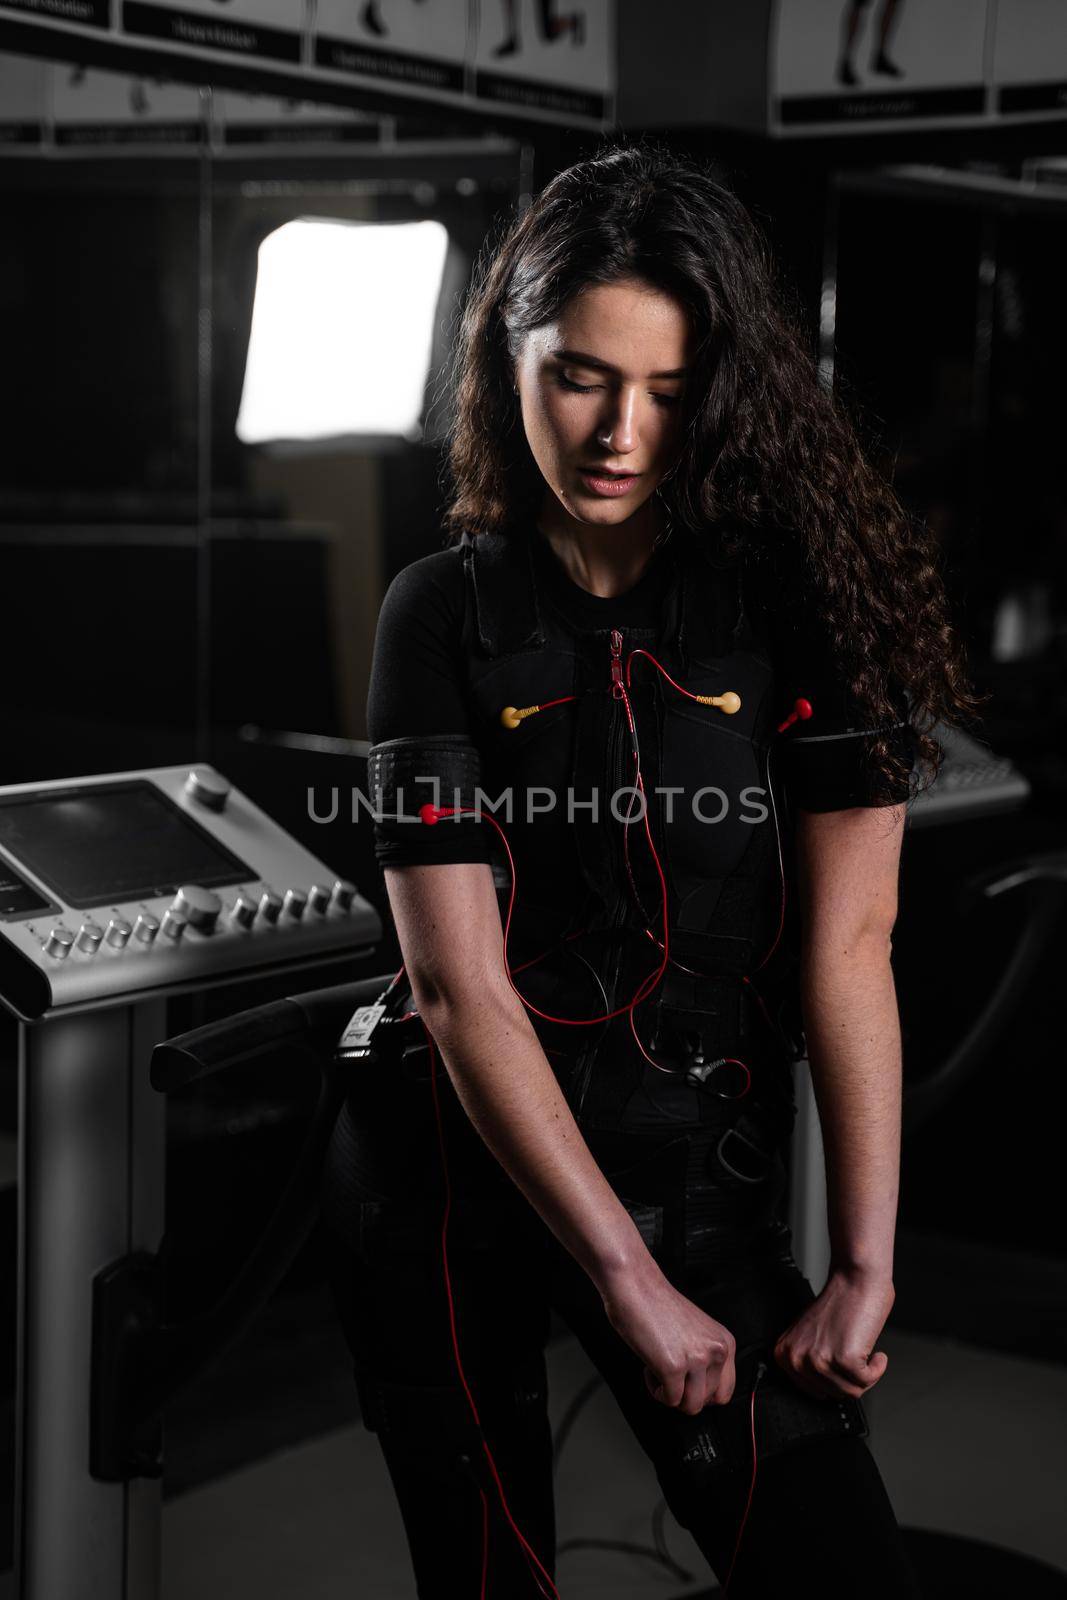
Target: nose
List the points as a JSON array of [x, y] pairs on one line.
[[618, 430]]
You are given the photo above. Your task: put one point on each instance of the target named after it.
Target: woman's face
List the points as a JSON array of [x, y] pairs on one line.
[[601, 391]]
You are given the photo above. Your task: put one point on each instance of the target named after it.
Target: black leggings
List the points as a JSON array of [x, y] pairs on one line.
[[820, 1520]]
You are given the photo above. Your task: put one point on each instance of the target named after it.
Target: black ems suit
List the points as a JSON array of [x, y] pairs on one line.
[[496, 623]]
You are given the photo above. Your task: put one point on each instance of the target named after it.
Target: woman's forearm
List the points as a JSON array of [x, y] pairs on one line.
[[853, 1032], [509, 1091]]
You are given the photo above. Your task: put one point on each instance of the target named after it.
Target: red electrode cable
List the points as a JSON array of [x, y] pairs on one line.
[[527, 1548], [752, 1485], [430, 815]]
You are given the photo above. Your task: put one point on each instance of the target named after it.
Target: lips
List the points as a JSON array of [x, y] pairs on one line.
[[603, 482]]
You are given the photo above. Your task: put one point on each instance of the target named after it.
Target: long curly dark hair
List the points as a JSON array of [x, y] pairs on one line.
[[770, 461]]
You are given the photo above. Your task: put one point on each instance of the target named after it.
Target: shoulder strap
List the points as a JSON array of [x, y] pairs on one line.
[[711, 611], [500, 572]]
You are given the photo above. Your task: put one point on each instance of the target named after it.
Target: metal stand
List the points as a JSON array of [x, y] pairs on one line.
[[92, 1153]]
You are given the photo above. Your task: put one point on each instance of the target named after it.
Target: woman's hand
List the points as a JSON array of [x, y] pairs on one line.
[[829, 1349], [688, 1356]]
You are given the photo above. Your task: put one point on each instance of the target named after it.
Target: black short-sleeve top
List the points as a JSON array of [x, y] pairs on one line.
[[417, 687]]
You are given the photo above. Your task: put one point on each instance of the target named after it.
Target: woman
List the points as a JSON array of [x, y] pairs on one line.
[[653, 501]]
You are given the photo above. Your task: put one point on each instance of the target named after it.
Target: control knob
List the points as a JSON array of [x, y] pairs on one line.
[[146, 927], [207, 788], [243, 911], [343, 894], [319, 899], [174, 924], [295, 902], [89, 936], [270, 906], [118, 931], [200, 907], [58, 943]]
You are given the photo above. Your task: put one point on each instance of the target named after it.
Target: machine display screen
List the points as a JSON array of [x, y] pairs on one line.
[[113, 842]]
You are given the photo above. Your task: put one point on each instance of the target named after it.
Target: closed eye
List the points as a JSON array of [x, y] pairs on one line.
[[576, 388], [591, 388]]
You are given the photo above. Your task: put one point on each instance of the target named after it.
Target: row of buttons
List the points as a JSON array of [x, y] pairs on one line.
[[200, 908]]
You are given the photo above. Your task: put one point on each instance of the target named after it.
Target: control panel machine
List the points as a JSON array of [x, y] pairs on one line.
[[162, 879], [116, 891]]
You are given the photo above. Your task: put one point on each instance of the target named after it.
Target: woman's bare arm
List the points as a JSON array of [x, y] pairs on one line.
[[448, 923], [848, 864]]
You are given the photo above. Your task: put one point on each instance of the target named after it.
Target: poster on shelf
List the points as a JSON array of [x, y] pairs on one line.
[[552, 60], [553, 56], [267, 30], [421, 44], [84, 13], [23, 101], [1030, 57], [91, 107], [244, 121], [877, 63]]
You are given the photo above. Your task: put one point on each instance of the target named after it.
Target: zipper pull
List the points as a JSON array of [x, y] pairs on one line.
[[616, 664]]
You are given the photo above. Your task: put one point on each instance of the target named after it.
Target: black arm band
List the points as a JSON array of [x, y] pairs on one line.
[[439, 769], [831, 772]]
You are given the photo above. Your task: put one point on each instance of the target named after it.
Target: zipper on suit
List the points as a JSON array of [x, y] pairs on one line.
[[618, 778]]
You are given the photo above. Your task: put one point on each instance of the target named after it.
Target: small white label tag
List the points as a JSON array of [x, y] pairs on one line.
[[360, 1027]]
